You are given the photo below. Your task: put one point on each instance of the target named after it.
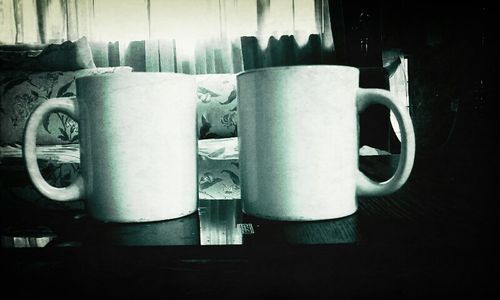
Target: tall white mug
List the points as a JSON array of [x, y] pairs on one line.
[[298, 140], [138, 146]]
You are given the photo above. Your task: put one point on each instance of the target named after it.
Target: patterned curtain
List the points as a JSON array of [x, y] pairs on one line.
[[188, 36]]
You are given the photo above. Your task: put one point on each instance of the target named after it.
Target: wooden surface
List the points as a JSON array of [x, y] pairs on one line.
[[436, 236]]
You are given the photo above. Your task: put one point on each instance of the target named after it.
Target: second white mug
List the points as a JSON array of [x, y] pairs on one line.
[[298, 139]]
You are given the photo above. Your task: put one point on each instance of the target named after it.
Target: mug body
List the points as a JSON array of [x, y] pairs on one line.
[[138, 145], [298, 142]]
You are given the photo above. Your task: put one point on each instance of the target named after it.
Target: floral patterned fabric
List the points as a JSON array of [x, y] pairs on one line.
[[217, 106], [218, 169], [218, 179], [22, 91]]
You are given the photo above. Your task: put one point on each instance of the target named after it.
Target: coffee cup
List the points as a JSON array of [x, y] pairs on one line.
[[138, 146], [298, 142]]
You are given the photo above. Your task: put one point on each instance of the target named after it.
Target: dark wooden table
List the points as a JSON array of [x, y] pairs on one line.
[[436, 236]]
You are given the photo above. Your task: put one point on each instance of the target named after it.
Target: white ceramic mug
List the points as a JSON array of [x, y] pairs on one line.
[[298, 139], [138, 146]]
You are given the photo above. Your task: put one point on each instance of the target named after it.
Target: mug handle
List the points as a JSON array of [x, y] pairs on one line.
[[366, 186], [75, 190]]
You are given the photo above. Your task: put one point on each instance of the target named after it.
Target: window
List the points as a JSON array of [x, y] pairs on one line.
[[399, 88]]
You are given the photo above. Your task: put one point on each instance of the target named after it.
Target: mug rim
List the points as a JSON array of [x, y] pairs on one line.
[[294, 67]]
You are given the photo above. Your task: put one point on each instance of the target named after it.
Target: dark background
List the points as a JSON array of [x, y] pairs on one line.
[[451, 57]]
